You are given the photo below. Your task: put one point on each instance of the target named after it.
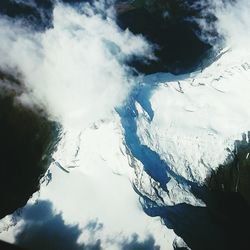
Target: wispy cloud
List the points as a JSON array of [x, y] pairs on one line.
[[233, 22], [227, 19]]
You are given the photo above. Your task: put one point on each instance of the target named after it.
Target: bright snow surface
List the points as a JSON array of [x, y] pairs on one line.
[[171, 132]]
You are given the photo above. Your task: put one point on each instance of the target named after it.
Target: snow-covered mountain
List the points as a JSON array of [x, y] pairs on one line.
[[133, 176], [171, 132]]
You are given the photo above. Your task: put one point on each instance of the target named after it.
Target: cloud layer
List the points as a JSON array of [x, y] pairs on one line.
[[77, 69]]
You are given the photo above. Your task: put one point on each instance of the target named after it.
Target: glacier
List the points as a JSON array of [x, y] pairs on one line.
[[152, 154]]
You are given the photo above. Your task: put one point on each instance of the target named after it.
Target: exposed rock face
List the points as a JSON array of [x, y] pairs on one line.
[[27, 138], [167, 24]]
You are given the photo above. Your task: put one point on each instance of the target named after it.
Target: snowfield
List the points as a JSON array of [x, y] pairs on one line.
[[91, 183], [169, 135], [197, 117]]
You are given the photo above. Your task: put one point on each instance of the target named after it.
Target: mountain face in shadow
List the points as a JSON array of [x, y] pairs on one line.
[[170, 26], [7, 246], [27, 139], [234, 175]]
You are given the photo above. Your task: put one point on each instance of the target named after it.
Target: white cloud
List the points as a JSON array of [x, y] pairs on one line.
[[76, 70], [232, 22]]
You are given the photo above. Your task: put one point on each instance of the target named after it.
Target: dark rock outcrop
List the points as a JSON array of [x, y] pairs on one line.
[[27, 139], [7, 246]]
